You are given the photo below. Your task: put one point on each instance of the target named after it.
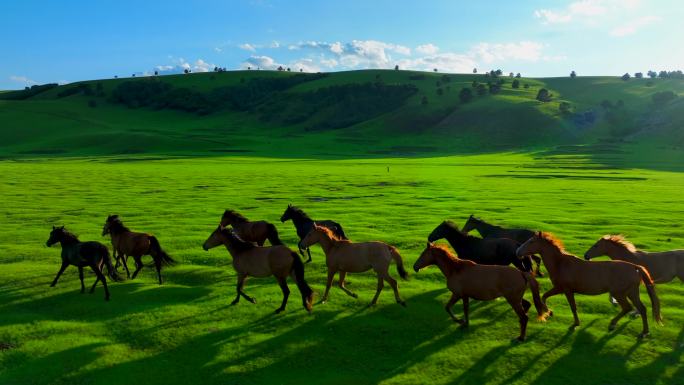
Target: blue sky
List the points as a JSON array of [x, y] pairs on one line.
[[65, 41]]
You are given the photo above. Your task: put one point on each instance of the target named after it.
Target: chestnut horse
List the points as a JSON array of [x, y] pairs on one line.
[[261, 262], [488, 230], [343, 256], [128, 243], [466, 280], [488, 251], [570, 275], [81, 254], [303, 224], [257, 232]]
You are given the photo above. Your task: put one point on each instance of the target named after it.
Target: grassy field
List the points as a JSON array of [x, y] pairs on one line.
[[185, 331]]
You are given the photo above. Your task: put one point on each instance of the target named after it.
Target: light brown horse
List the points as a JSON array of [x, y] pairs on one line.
[[663, 266], [343, 256], [257, 232], [570, 275], [261, 262], [129, 243], [466, 280]]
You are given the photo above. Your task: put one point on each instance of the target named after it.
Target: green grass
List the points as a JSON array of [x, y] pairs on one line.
[[185, 331], [510, 121]]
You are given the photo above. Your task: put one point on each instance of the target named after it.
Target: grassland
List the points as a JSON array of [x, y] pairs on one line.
[[186, 332]]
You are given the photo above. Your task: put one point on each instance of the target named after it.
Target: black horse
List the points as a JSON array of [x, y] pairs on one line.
[[488, 230], [81, 254], [303, 223], [488, 251]]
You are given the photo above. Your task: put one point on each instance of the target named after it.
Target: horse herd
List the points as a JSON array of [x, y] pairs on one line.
[[480, 269]]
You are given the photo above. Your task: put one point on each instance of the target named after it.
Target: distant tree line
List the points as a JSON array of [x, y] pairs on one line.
[[27, 92]]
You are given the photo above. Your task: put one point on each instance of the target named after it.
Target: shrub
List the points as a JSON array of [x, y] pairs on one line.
[[544, 95], [663, 97], [465, 95]]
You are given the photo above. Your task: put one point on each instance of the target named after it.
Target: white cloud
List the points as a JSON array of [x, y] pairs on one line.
[[274, 44], [23, 80], [366, 53], [498, 52], [248, 47], [218, 49], [632, 26], [584, 10], [428, 49], [445, 62], [268, 63], [180, 65], [261, 62]]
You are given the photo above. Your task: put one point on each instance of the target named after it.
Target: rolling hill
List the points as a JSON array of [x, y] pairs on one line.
[[344, 114]]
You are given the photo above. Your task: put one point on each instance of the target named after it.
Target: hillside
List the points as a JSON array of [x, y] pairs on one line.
[[357, 113]]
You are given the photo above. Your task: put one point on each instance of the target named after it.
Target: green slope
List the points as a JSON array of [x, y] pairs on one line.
[[334, 115]]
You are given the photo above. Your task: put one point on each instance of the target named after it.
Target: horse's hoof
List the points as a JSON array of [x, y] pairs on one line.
[[611, 327], [634, 315], [372, 304], [278, 310], [354, 295], [573, 327], [520, 339], [643, 335], [402, 303], [252, 300], [550, 314]]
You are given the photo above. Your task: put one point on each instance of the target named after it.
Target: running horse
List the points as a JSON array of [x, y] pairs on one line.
[[303, 224], [257, 232], [570, 275]]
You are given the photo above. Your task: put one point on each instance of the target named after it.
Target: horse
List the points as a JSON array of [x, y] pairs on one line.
[[570, 275], [488, 230], [343, 256], [81, 254], [466, 279], [255, 261], [128, 243], [303, 224], [487, 251], [257, 232]]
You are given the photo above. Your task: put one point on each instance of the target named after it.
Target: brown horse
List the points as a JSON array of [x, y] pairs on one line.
[[261, 262], [343, 256], [257, 232], [663, 266], [466, 280], [128, 243], [570, 275]]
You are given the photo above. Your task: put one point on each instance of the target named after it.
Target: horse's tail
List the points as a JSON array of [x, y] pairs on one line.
[[111, 271], [158, 254], [650, 288], [272, 234], [304, 288], [542, 310], [400, 263]]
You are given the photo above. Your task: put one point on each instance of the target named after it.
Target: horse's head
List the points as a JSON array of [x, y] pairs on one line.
[[226, 218], [538, 244], [287, 215], [597, 250], [56, 235], [426, 258], [470, 224], [439, 232], [107, 228], [215, 239], [313, 237]]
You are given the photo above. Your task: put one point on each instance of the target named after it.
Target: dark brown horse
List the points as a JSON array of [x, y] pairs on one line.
[[488, 230], [129, 243], [466, 280], [488, 251], [570, 275], [254, 261], [303, 224], [81, 254], [257, 232]]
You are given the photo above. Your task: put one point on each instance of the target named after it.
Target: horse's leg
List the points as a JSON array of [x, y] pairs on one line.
[[452, 301], [395, 287], [80, 276], [100, 277], [626, 307], [340, 283], [116, 258], [466, 316], [125, 264], [241, 285], [240, 282], [553, 291], [282, 281], [381, 284], [308, 251], [59, 273], [570, 296], [158, 265], [538, 261], [612, 300], [138, 265], [636, 300], [331, 275], [519, 309]]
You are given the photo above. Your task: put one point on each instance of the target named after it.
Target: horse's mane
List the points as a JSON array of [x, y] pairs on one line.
[[236, 242], [550, 238], [236, 215], [452, 257], [330, 234], [620, 240], [485, 222], [69, 236], [454, 227], [116, 226], [299, 212]]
